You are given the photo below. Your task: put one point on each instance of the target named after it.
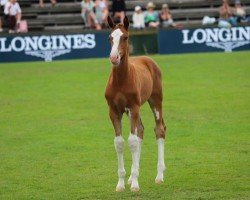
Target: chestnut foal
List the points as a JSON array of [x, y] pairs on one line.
[[132, 82]]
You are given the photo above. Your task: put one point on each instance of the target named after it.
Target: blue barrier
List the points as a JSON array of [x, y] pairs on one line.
[[203, 40], [16, 48], [53, 47]]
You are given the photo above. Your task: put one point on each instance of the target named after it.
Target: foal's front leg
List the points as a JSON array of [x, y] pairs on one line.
[[119, 146], [140, 129], [134, 145]]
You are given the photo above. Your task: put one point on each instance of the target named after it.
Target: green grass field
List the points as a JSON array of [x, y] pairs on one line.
[[56, 140]]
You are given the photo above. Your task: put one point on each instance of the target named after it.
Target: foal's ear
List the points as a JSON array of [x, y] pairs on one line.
[[110, 22], [126, 22]]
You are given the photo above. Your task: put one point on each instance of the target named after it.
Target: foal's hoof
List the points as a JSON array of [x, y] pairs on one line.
[[120, 189], [135, 189], [159, 181]]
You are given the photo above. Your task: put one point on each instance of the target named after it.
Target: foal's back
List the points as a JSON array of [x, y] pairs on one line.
[[145, 63], [149, 76]]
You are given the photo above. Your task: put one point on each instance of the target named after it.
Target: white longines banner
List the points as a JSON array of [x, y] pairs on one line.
[[50, 47], [204, 40]]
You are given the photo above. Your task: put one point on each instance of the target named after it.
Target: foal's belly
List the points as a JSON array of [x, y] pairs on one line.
[[128, 99], [146, 91]]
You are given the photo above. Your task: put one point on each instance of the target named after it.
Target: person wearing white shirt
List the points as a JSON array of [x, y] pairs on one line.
[[2, 3], [138, 18], [101, 11], [13, 11], [88, 14]]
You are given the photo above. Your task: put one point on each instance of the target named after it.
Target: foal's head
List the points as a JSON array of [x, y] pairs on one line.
[[119, 41]]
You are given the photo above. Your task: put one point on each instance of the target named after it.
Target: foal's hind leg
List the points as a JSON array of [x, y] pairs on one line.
[[155, 103], [140, 129]]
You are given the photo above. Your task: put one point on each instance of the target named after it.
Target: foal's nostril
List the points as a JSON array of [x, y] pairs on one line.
[[114, 58]]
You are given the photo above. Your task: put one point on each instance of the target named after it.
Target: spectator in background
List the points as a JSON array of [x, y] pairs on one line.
[[240, 13], [41, 2], [1, 23], [151, 16], [118, 8], [226, 19], [88, 14], [13, 11], [2, 4], [138, 18], [166, 17], [102, 11]]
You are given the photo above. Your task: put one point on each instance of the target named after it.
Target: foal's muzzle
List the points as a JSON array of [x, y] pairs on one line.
[[115, 59]]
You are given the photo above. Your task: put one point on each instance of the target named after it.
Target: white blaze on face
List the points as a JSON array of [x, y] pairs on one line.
[[116, 35]]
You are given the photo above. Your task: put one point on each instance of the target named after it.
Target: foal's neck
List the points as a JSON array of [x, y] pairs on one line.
[[121, 72]]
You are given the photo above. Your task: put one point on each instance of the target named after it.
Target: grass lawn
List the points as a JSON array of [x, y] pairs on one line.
[[56, 139]]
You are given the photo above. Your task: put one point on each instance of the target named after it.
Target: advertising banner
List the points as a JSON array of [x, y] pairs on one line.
[[203, 40], [16, 48]]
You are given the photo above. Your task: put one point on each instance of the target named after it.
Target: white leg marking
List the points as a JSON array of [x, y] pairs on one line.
[[116, 35], [139, 156], [119, 145], [161, 164], [157, 114], [134, 148]]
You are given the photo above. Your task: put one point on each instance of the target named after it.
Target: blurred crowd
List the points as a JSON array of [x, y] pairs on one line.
[[11, 12], [94, 15], [228, 16]]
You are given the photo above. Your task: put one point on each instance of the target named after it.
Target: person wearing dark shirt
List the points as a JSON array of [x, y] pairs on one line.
[[2, 4], [118, 8]]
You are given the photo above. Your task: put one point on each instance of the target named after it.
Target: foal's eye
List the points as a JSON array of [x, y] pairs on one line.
[[125, 38]]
